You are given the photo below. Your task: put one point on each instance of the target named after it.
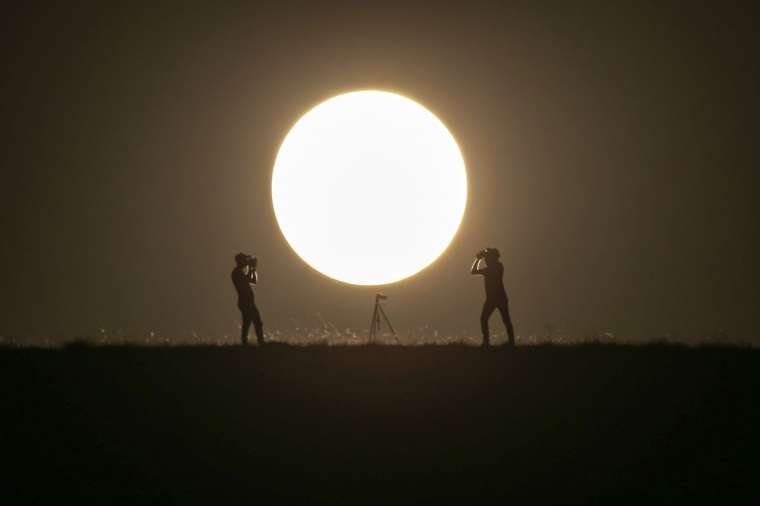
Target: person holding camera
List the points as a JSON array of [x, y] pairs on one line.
[[496, 296], [244, 275]]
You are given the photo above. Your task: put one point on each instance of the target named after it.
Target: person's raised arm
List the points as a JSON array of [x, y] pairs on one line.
[[253, 276], [474, 269]]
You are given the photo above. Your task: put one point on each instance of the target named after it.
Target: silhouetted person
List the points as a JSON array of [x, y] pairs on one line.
[[496, 296], [243, 276]]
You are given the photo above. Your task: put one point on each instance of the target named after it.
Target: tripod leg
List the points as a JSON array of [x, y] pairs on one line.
[[373, 325], [385, 317]]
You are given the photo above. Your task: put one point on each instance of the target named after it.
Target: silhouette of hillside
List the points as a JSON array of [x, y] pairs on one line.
[[587, 424]]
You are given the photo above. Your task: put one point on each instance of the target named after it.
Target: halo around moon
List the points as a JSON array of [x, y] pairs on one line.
[[369, 187]]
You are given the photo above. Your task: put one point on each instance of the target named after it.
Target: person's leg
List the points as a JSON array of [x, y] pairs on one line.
[[488, 308], [504, 310], [258, 325], [245, 326]]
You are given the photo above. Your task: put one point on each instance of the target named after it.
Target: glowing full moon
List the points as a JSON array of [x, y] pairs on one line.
[[369, 187]]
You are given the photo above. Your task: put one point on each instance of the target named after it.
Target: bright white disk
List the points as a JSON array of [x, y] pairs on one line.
[[369, 187]]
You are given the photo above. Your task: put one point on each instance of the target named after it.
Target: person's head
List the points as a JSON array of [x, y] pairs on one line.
[[491, 255], [240, 259]]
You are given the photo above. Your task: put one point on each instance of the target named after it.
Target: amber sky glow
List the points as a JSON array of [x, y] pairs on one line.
[[611, 155], [369, 187]]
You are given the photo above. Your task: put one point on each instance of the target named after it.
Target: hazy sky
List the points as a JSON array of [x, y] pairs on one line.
[[611, 156]]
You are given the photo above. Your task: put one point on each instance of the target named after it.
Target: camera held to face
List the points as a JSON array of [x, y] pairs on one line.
[[489, 253], [244, 260]]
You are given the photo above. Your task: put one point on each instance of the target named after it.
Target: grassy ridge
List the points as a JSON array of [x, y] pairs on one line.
[[380, 424]]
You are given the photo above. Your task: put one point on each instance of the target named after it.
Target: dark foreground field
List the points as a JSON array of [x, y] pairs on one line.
[[355, 425]]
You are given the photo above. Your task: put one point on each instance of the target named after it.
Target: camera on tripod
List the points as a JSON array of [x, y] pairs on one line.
[[377, 313]]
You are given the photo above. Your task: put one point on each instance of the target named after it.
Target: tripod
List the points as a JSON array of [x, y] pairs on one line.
[[375, 325]]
